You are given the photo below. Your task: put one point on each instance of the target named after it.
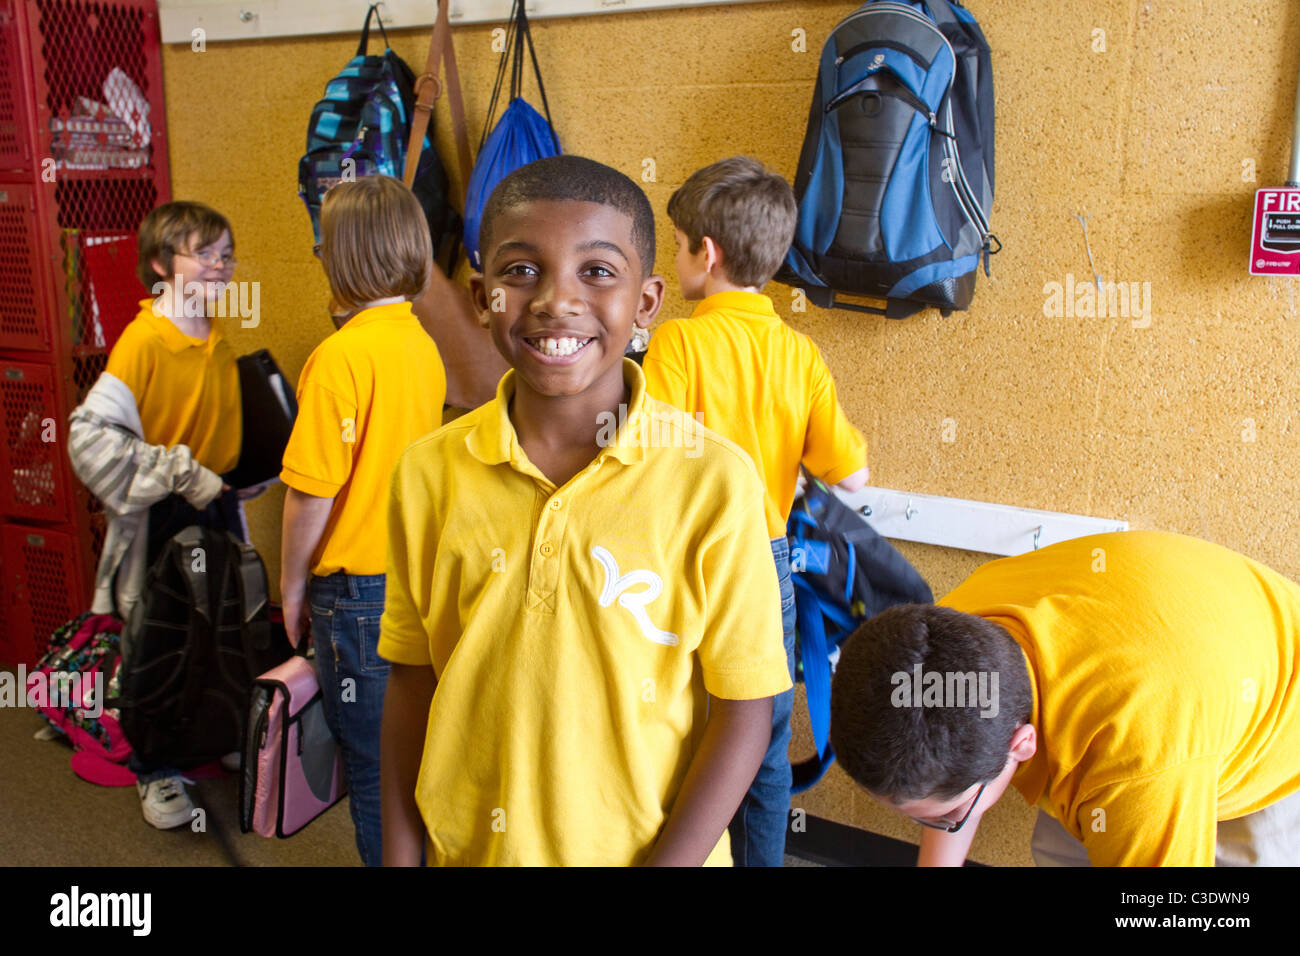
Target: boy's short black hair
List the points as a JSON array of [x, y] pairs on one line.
[[748, 211], [574, 178], [905, 753]]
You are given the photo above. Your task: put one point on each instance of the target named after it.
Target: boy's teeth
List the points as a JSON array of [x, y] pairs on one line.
[[557, 348]]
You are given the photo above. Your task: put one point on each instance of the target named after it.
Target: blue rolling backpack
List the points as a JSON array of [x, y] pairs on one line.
[[895, 178]]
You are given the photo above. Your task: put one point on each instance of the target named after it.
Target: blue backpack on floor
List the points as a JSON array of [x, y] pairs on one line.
[[843, 573], [895, 179]]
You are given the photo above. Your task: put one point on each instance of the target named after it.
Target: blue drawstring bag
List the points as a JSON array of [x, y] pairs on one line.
[[520, 137]]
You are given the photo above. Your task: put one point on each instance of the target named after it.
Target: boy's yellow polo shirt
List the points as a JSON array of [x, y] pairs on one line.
[[760, 383], [577, 632], [1166, 675], [366, 392], [186, 389]]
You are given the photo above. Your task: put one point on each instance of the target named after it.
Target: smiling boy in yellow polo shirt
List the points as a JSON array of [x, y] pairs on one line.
[[583, 632], [747, 375]]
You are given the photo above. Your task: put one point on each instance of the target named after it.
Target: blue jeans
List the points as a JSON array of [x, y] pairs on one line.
[[345, 613], [759, 826]]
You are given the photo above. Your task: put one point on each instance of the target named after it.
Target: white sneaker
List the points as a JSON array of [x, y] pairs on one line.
[[165, 803], [232, 762]]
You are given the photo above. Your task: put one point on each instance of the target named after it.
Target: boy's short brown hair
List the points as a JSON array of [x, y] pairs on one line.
[[745, 209], [374, 242], [170, 229]]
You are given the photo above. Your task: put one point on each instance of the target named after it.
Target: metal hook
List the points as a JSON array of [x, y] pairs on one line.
[[909, 510], [1038, 533]]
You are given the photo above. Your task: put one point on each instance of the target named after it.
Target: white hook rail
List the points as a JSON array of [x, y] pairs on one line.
[[970, 525], [248, 19]]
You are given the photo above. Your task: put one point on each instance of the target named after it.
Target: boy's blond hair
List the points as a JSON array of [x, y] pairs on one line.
[[374, 242], [745, 209], [169, 229]]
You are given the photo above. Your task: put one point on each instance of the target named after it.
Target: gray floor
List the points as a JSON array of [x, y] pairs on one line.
[[51, 817]]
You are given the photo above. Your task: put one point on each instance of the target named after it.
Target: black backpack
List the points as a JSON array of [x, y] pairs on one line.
[[895, 179], [360, 128], [194, 644]]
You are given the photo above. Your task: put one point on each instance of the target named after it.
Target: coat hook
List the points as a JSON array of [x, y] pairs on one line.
[[1038, 533], [909, 510]]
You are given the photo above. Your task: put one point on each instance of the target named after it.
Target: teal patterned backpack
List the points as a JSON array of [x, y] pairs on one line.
[[360, 128]]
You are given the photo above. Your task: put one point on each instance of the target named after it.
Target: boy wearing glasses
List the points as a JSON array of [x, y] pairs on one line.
[[1139, 688], [175, 366]]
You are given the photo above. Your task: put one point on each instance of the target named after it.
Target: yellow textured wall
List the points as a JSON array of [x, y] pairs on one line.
[[1149, 127]]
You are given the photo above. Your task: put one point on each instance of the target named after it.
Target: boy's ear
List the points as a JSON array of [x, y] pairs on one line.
[[652, 300], [712, 254], [1024, 742], [478, 296], [159, 270]]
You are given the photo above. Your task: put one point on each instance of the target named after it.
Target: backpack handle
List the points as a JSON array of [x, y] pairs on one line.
[[365, 30], [427, 90]]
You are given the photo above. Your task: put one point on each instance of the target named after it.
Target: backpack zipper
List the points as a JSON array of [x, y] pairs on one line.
[[980, 221], [960, 186]]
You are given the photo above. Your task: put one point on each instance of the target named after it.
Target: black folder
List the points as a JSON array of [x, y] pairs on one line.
[[269, 409]]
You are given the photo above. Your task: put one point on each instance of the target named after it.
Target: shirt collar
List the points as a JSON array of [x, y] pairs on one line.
[[751, 303], [172, 337], [379, 313], [493, 439]]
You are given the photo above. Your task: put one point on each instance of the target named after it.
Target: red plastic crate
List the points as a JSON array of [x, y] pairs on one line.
[[15, 129], [33, 445], [92, 225], [74, 45], [24, 307], [43, 573]]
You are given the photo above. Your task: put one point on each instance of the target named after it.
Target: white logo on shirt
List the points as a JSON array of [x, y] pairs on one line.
[[616, 586]]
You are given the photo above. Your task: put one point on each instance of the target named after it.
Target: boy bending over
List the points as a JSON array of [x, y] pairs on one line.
[[1139, 688]]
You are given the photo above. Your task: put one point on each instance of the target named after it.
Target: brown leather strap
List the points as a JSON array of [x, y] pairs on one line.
[[427, 89]]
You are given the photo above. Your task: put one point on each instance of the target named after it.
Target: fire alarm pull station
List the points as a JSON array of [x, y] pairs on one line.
[[1275, 236]]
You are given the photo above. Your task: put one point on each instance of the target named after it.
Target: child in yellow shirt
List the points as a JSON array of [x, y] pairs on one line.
[[177, 365], [1139, 688], [365, 393], [744, 373], [582, 624]]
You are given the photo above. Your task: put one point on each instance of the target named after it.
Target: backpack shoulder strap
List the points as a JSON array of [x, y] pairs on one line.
[[181, 549], [250, 580], [427, 90]]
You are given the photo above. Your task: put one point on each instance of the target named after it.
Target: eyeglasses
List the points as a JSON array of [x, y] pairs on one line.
[[212, 260], [954, 827]]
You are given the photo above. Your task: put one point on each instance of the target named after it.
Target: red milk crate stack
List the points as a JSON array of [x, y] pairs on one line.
[[83, 158]]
